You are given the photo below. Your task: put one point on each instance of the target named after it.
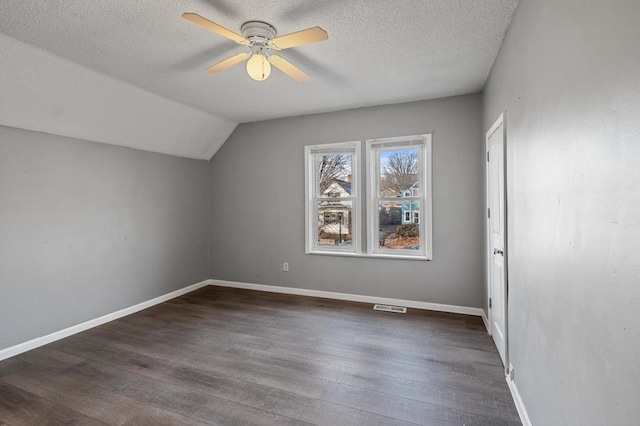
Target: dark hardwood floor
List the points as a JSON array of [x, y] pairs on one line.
[[221, 356]]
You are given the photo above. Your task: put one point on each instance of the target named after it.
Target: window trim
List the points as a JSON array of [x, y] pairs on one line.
[[311, 202], [373, 146]]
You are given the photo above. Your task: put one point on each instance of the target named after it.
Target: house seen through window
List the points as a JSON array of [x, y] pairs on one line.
[[332, 196]]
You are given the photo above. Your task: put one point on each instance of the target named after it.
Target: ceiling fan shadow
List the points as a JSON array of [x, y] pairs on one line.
[[224, 8], [302, 9], [315, 68], [205, 58]]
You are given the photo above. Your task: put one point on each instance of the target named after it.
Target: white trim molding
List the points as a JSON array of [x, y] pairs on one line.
[[78, 328], [61, 334], [517, 399], [454, 309], [485, 320]]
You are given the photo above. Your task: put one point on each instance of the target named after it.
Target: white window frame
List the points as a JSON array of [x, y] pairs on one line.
[[364, 210], [373, 148], [312, 198]]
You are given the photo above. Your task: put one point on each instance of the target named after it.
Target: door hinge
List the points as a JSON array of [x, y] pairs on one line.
[[487, 155], [489, 213], [489, 303]]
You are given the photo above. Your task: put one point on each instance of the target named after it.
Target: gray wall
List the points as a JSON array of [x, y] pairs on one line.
[[257, 210], [87, 229], [568, 75]]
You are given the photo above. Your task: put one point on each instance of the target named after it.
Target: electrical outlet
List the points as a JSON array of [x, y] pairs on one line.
[[285, 266]]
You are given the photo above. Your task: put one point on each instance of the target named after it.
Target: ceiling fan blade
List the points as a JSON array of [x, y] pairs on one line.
[[300, 38], [289, 69], [212, 26], [228, 63]]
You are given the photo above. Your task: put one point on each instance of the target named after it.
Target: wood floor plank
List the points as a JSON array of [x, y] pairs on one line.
[[222, 337], [390, 334], [442, 354], [153, 416], [371, 381], [407, 409], [390, 360], [10, 365], [79, 396], [178, 399], [231, 356], [46, 356], [289, 365], [230, 388], [21, 408], [305, 376]]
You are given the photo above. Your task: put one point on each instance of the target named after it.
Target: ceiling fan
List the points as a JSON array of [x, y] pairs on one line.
[[260, 38]]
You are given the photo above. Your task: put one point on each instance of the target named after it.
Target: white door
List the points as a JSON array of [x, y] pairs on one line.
[[496, 236]]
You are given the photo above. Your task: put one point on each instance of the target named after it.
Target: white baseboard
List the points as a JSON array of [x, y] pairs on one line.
[[517, 399], [40, 341], [351, 297], [61, 334], [485, 320]]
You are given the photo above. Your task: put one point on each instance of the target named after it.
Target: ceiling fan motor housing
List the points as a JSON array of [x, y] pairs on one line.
[[258, 31]]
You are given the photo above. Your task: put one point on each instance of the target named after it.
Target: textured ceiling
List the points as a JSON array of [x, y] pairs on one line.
[[378, 52]]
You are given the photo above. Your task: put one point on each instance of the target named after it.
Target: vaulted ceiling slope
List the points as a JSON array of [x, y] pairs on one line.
[[378, 52], [43, 92]]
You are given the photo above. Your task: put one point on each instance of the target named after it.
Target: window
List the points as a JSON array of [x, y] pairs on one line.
[[332, 197], [385, 219], [399, 166]]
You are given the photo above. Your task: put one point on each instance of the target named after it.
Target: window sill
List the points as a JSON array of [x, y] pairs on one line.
[[368, 255]]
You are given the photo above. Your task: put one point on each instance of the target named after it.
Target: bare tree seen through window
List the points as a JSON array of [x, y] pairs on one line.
[[332, 167], [399, 170]]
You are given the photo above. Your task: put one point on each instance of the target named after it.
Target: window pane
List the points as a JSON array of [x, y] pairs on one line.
[[335, 223], [399, 225], [399, 173], [333, 175]]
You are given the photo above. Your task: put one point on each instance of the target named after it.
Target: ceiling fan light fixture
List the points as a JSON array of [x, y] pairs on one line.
[[260, 38], [258, 67]]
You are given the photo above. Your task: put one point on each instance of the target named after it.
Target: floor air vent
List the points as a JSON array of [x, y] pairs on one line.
[[390, 308]]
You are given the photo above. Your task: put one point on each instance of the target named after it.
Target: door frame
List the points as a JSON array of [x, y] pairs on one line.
[[501, 120]]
